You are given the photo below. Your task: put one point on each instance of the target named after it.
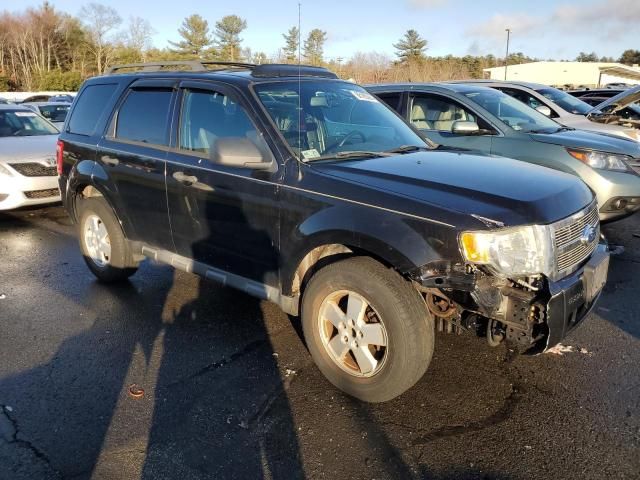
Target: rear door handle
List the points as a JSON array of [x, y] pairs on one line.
[[184, 178]]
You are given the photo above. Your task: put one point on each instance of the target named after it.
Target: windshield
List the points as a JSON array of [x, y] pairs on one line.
[[512, 112], [54, 113], [22, 123], [334, 118], [566, 101]]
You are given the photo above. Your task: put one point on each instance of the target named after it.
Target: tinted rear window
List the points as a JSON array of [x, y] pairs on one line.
[[89, 107], [143, 116]]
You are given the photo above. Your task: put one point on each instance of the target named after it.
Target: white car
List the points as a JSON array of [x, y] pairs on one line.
[[558, 105], [28, 173]]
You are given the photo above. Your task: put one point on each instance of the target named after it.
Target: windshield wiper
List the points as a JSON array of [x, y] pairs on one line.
[[408, 149], [350, 155]]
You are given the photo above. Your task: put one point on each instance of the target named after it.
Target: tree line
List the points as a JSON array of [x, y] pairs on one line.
[[45, 49]]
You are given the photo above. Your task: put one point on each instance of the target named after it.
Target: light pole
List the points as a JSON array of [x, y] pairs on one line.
[[506, 57]]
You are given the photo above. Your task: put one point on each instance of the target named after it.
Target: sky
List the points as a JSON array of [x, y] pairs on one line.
[[544, 29]]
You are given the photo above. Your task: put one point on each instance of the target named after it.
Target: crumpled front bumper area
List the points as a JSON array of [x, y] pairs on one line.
[[573, 297]]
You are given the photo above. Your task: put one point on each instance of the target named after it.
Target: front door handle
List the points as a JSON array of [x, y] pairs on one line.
[[184, 178]]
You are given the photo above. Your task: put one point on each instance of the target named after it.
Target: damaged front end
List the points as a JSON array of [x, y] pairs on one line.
[[530, 314], [495, 291]]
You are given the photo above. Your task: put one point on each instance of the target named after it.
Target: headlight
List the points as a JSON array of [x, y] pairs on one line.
[[603, 160], [511, 252], [4, 171]]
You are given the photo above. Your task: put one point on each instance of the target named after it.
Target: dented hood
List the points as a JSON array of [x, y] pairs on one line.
[[620, 101]]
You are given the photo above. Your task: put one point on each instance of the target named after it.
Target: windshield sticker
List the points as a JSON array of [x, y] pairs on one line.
[[25, 114], [310, 154], [365, 96]]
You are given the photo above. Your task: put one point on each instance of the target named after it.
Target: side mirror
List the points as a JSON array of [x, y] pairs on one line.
[[543, 109], [241, 152], [465, 128]]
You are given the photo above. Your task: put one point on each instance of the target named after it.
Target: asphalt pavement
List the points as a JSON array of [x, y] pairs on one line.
[[173, 377]]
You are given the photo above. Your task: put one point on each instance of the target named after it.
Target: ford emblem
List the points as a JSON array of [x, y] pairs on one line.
[[588, 235]]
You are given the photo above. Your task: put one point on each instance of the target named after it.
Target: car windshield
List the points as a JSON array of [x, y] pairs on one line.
[[512, 112], [54, 113], [565, 101], [331, 119], [24, 123]]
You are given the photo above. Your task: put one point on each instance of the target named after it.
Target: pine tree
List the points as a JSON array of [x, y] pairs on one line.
[[291, 39], [195, 33], [228, 39], [314, 46], [630, 57], [411, 47]]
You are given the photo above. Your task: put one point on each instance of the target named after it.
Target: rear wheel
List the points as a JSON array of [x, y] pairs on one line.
[[367, 329], [104, 246]]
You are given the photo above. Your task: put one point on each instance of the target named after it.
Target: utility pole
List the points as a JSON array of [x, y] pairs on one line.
[[506, 57]]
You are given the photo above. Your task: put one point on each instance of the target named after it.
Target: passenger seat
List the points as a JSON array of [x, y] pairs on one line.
[[419, 118]]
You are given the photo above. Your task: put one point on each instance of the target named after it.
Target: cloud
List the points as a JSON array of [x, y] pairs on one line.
[[423, 4], [494, 27], [611, 12], [608, 20]]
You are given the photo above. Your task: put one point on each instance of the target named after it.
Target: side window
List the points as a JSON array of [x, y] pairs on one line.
[[526, 98], [144, 115], [391, 99], [89, 107], [437, 113], [207, 116]]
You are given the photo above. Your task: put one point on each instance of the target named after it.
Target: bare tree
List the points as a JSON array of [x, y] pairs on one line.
[[138, 35], [100, 21]]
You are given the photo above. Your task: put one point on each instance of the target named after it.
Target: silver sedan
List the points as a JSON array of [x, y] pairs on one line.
[[28, 173]]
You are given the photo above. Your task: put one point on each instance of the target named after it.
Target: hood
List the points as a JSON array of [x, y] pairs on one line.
[[620, 101], [497, 188], [27, 148], [590, 140]]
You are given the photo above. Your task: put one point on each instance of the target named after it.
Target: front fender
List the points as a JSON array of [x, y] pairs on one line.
[[404, 242]]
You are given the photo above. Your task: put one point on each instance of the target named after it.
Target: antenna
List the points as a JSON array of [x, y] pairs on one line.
[[299, 85]]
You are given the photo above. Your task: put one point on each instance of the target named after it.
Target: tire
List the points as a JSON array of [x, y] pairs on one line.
[[396, 316], [118, 265]]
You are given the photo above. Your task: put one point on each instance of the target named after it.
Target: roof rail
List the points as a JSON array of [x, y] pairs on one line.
[[264, 70], [291, 70], [194, 65]]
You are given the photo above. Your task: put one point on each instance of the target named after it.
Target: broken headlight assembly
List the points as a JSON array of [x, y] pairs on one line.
[[511, 252]]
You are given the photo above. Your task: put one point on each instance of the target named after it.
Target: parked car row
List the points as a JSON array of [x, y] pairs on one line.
[[469, 115], [374, 224]]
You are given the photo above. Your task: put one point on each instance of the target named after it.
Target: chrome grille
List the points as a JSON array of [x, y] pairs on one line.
[[34, 169], [571, 249]]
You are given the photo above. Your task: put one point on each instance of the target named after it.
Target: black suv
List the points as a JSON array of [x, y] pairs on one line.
[[305, 190]]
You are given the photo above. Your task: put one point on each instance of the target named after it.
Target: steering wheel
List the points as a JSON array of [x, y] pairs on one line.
[[352, 133], [342, 142]]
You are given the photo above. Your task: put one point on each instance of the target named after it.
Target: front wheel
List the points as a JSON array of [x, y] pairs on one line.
[[367, 329]]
